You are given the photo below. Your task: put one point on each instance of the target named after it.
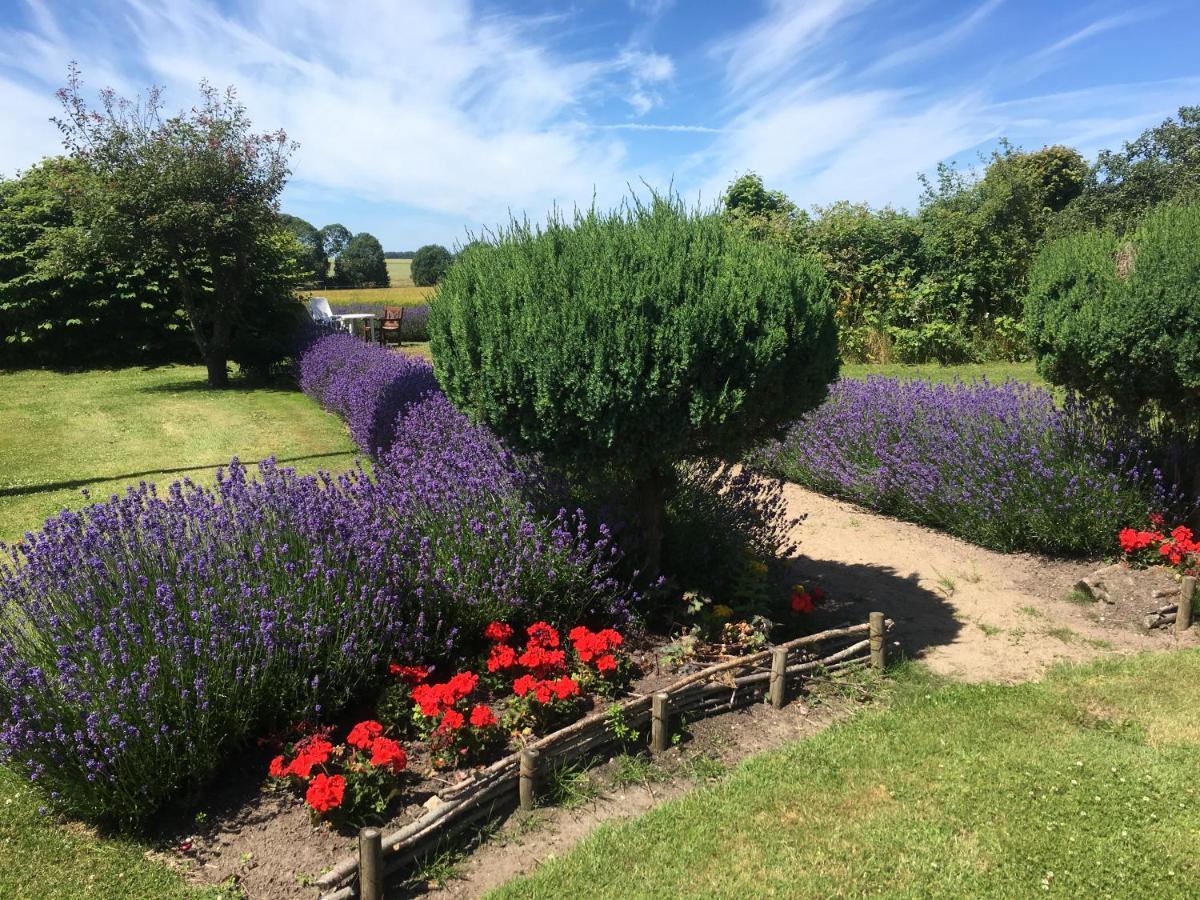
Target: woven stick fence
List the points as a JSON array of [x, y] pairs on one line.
[[716, 689]]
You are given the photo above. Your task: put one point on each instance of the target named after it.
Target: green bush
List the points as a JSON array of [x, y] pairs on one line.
[[1123, 318], [620, 343], [429, 265], [361, 263]]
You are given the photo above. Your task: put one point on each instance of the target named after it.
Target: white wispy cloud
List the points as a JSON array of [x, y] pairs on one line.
[[436, 117], [938, 42]]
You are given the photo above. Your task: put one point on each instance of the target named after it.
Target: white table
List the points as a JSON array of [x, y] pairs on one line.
[[368, 320]]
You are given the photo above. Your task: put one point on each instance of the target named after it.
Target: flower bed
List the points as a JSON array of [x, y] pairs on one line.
[[146, 638], [1003, 466], [512, 693]]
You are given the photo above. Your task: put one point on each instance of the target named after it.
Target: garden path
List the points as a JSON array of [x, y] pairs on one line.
[[968, 613]]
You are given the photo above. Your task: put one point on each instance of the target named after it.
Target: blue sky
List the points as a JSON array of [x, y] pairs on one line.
[[419, 121]]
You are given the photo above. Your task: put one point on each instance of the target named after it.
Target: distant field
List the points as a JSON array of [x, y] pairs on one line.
[[393, 296], [401, 293], [400, 272]]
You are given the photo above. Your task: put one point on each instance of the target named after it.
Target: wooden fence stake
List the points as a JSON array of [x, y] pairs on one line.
[[878, 635], [528, 778], [370, 864], [778, 689], [1183, 617], [660, 720]]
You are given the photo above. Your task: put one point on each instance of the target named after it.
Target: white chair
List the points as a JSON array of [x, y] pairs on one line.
[[319, 309]]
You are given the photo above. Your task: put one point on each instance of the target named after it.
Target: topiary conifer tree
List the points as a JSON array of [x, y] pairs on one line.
[[620, 344]]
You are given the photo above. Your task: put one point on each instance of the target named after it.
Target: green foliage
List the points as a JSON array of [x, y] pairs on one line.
[[942, 285], [762, 214], [1161, 165], [67, 307], [620, 343], [334, 238], [194, 196], [429, 265], [315, 261], [361, 263], [1122, 319]]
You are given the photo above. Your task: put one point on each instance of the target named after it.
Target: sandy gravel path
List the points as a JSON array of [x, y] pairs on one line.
[[968, 613]]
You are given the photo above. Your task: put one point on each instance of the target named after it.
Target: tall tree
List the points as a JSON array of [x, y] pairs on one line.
[[429, 264], [197, 193], [315, 259], [362, 263], [335, 237]]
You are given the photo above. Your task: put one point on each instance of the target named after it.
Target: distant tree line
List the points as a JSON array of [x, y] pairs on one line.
[[358, 259], [947, 282]]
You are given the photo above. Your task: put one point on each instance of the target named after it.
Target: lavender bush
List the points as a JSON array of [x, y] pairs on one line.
[[1002, 466], [366, 385], [144, 638]]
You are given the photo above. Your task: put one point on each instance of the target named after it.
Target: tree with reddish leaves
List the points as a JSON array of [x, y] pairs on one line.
[[195, 195]]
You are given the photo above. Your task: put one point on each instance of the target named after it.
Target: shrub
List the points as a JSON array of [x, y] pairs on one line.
[[367, 386], [1002, 466], [1121, 320], [1133, 337], [429, 265], [622, 343], [147, 637], [361, 263]]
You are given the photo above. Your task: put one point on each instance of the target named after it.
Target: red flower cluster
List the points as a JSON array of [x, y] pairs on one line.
[[806, 601], [1178, 548], [368, 758], [541, 655], [596, 647], [436, 699], [325, 792], [410, 675], [311, 752], [388, 754], [546, 690]]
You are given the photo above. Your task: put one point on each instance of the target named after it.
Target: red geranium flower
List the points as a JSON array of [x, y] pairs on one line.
[[388, 753], [326, 792], [310, 753], [410, 675], [482, 717], [363, 733], [802, 602], [452, 720], [501, 656], [542, 635], [498, 632], [606, 663], [277, 768]]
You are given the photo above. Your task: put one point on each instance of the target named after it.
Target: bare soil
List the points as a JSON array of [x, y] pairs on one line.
[[969, 613]]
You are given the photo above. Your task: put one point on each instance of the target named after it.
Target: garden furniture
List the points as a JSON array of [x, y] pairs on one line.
[[389, 330], [319, 309], [368, 322]]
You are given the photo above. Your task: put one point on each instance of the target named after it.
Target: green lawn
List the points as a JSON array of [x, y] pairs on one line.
[[1084, 785], [41, 858], [103, 430], [996, 372]]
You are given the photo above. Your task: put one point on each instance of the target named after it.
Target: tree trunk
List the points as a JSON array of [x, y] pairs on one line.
[[651, 503], [217, 364]]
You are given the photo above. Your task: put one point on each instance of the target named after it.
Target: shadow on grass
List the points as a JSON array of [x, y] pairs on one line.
[[24, 490], [280, 385], [923, 618]]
